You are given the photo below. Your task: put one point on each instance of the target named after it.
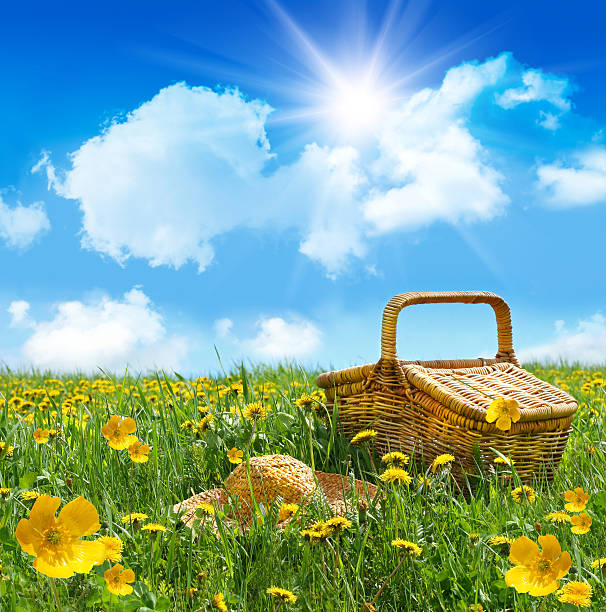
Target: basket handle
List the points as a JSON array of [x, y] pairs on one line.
[[395, 305]]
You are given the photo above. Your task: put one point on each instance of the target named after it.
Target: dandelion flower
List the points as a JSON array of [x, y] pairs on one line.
[[410, 548], [599, 563], [580, 523], [522, 493], [577, 500], [503, 460], [504, 412], [318, 533], [440, 461], [395, 458], [396, 475], [235, 455], [138, 452], [500, 541], [576, 593], [6, 450], [4, 491], [558, 517], [287, 511], [55, 541], [337, 524], [219, 602], [282, 594], [305, 402], [113, 548], [134, 517], [117, 432], [154, 528], [537, 571], [41, 436], [117, 579], [30, 495], [203, 424], [206, 508], [255, 411], [364, 436]]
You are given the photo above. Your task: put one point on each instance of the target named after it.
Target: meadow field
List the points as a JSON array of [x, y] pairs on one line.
[[424, 544]]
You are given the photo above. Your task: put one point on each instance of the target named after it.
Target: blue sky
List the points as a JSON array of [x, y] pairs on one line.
[[263, 177]]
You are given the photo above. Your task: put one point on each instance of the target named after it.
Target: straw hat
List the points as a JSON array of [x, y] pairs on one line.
[[281, 476]]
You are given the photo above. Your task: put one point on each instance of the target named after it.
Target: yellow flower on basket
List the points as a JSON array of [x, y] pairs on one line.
[[524, 493], [364, 436], [282, 594], [396, 475], [138, 452], [116, 580], [576, 593], [206, 508], [580, 523], [55, 541], [440, 461], [537, 571], [41, 436], [113, 548], [117, 432], [577, 500], [504, 412], [219, 602], [410, 548], [235, 455]]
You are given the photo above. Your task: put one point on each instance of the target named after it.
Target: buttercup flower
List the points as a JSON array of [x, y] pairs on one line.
[[364, 436], [577, 500], [117, 579], [576, 593], [112, 548], [235, 455], [41, 436], [410, 548], [396, 475], [580, 523], [219, 602], [138, 452], [524, 493], [282, 594], [537, 571], [117, 432], [504, 412], [441, 461], [55, 541]]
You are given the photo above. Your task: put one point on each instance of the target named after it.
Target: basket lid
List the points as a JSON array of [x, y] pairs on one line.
[[469, 391]]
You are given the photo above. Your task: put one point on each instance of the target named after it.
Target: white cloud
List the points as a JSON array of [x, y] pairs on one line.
[[18, 311], [537, 87], [223, 327], [438, 169], [587, 344], [579, 183], [278, 338], [21, 225], [106, 333]]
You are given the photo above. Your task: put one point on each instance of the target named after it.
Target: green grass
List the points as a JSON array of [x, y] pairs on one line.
[[182, 569]]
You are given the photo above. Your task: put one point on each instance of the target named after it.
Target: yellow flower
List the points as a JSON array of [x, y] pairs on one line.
[[282, 594], [41, 436], [440, 461], [364, 436], [500, 541], [117, 431], [235, 455], [395, 458], [522, 493], [337, 524], [55, 541], [206, 508], [504, 412], [287, 511], [537, 571], [577, 500], [396, 474], [6, 450], [154, 528], [134, 517], [30, 495], [505, 461], [219, 602], [317, 533], [410, 548], [255, 411], [113, 548], [117, 580], [601, 563], [558, 517], [580, 523], [138, 452], [305, 402], [576, 593], [4, 491]]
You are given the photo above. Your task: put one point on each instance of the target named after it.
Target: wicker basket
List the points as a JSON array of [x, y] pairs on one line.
[[434, 407]]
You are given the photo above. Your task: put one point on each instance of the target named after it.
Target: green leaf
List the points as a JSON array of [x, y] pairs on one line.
[[27, 480]]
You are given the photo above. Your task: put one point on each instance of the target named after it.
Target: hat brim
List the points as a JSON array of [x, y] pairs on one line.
[[335, 490]]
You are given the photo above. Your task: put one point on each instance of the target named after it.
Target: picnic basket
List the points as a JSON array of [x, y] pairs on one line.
[[431, 408]]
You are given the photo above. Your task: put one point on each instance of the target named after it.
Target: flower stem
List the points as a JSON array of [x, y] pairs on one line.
[[386, 581], [55, 594]]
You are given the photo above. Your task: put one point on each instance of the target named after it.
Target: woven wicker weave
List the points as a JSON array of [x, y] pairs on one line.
[[280, 476], [434, 407]]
